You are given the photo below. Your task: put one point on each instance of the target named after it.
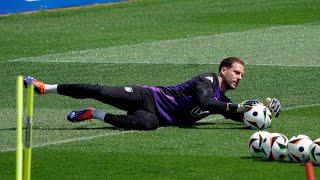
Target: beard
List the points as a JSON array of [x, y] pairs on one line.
[[228, 86]]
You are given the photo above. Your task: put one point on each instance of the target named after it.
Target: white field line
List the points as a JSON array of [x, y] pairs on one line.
[[64, 141], [159, 63], [59, 142], [302, 106]]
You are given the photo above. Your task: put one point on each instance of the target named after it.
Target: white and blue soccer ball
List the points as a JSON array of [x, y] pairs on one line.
[[298, 148], [274, 147], [255, 142], [314, 152], [258, 117]]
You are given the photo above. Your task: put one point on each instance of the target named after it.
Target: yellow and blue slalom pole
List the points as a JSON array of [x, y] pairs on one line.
[[23, 151], [19, 115]]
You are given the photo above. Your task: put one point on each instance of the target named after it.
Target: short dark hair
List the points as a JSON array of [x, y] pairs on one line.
[[228, 62]]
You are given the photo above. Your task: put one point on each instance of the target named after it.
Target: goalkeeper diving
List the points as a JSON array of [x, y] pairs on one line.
[[150, 107]]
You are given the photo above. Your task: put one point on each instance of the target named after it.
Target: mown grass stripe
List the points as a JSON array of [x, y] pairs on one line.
[[272, 46]]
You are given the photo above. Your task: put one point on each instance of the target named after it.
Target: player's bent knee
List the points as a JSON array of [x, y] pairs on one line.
[[145, 120], [150, 126]]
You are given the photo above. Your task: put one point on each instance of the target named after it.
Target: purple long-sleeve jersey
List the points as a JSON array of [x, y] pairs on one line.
[[192, 100]]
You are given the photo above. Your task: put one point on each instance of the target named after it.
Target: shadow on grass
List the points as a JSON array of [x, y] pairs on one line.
[[198, 125], [270, 160], [76, 128], [220, 125]]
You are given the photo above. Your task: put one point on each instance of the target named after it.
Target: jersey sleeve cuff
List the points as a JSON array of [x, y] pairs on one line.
[[233, 107]]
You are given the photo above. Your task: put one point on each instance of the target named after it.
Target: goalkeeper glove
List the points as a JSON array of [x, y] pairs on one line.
[[273, 105], [244, 106], [251, 102], [247, 105]]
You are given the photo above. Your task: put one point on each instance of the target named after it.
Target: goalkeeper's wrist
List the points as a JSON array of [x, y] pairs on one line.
[[232, 107]]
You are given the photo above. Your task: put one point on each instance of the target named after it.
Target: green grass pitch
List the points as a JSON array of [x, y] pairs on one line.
[[160, 42]]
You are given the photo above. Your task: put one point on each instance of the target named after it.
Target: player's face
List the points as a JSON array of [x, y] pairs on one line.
[[232, 76]]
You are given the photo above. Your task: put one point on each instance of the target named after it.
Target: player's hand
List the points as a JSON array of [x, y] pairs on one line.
[[273, 105], [247, 105], [242, 108], [251, 102]]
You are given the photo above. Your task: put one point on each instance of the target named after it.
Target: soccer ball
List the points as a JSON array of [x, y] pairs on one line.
[[255, 142], [274, 147], [314, 152], [258, 117], [298, 148]]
